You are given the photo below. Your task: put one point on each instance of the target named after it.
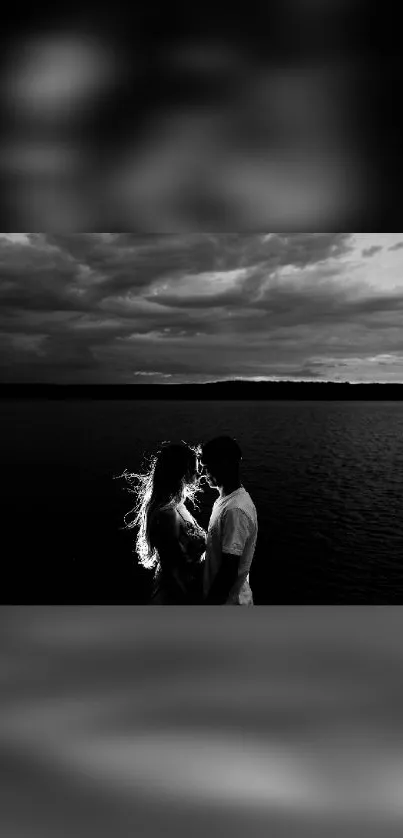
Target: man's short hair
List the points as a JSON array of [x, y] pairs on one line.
[[221, 448]]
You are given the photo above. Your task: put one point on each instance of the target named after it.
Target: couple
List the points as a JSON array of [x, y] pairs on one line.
[[193, 567]]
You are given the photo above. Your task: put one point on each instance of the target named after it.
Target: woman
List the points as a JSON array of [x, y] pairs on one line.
[[169, 540]]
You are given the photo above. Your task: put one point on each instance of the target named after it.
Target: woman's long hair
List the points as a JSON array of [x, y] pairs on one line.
[[169, 477]]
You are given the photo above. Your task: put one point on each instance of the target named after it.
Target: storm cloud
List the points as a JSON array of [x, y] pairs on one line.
[[124, 308]]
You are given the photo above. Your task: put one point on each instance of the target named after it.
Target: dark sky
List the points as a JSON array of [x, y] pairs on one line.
[[127, 308]]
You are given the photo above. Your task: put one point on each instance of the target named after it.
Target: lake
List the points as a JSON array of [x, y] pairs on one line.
[[326, 478]]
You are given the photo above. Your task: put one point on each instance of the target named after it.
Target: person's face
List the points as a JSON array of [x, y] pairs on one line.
[[209, 471]]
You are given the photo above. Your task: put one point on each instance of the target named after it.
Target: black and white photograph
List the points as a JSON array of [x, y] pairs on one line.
[[201, 421], [192, 419]]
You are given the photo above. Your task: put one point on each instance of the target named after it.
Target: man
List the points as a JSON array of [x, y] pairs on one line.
[[232, 530]]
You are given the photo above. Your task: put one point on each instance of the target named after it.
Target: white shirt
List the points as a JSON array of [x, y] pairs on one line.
[[233, 529]]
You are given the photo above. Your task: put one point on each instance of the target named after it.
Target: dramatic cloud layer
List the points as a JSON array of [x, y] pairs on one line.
[[122, 308]]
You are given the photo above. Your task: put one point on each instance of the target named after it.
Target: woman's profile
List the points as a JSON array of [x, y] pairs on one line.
[[169, 540]]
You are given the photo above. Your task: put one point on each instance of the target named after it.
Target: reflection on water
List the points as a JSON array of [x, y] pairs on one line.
[[119, 721]]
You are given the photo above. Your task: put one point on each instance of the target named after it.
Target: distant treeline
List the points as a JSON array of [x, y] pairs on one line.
[[222, 390]]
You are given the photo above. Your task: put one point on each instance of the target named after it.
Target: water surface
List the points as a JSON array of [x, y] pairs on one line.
[[326, 478]]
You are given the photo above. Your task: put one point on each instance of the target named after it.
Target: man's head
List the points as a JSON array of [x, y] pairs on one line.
[[221, 459]]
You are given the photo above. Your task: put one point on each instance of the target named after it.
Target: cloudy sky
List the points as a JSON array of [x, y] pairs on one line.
[[126, 308]]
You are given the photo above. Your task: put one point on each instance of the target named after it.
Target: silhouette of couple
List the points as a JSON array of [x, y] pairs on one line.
[[192, 567]]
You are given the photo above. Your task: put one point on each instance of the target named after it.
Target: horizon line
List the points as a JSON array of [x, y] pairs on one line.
[[235, 380]]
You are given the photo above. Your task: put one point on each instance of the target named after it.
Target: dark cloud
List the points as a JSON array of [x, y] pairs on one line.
[[99, 306], [370, 251], [397, 246], [303, 249], [128, 262], [264, 256], [124, 262], [34, 278]]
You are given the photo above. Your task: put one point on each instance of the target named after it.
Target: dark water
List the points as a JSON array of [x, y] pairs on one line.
[[326, 478]]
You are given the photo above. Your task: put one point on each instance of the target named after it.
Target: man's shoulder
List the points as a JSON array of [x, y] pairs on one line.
[[240, 514], [243, 502]]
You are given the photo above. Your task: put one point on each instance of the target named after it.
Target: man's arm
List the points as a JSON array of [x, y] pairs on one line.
[[224, 580], [235, 531]]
